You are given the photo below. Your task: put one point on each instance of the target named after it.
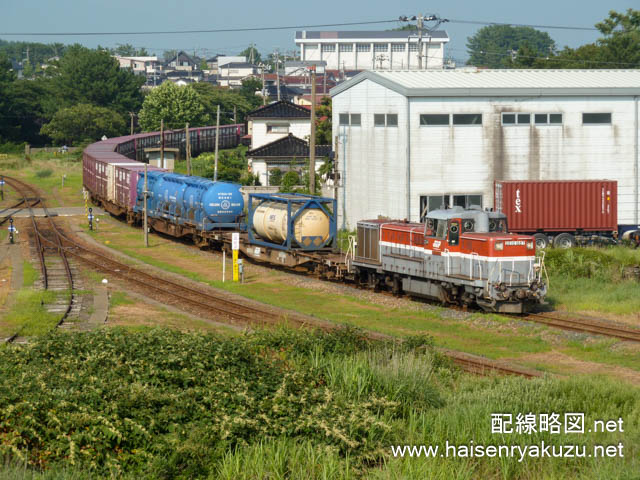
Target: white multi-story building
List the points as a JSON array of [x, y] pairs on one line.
[[380, 50], [409, 141]]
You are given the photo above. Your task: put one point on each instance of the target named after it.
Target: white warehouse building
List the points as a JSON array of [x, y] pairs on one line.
[[373, 50], [411, 141]]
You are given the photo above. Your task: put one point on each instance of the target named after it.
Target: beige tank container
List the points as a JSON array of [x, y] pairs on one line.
[[270, 222]]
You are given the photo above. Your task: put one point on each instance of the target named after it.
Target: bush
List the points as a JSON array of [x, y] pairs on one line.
[[44, 173]]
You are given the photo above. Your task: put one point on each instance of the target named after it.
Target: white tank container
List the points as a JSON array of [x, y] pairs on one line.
[[270, 222]]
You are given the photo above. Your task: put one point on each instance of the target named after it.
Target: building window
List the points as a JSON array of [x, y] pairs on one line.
[[352, 119], [428, 203], [413, 47], [467, 119], [596, 119], [388, 120], [548, 118], [346, 47], [311, 46], [434, 119], [397, 47], [328, 47], [278, 128], [380, 47], [363, 47]]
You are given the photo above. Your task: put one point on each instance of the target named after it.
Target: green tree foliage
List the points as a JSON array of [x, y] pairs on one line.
[[323, 122], [169, 55], [491, 45], [175, 105], [275, 177], [94, 76], [232, 166], [128, 50], [248, 90], [290, 180], [84, 122], [39, 53], [212, 96], [619, 47], [247, 53]]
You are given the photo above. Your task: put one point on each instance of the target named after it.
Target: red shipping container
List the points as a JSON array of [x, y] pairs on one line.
[[558, 206]]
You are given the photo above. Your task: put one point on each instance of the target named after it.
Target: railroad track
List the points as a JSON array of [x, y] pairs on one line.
[[208, 303], [585, 325], [56, 271]]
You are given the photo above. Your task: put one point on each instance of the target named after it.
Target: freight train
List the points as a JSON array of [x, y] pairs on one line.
[[457, 256]]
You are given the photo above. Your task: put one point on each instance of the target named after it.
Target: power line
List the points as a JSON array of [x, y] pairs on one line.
[[550, 27], [218, 30]]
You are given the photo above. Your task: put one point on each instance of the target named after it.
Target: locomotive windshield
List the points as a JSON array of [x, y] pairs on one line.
[[498, 225]]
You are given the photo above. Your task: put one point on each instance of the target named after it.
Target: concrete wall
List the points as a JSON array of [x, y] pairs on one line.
[[371, 160], [391, 58], [466, 159]]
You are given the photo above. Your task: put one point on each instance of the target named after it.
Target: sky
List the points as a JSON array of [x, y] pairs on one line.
[[63, 16]]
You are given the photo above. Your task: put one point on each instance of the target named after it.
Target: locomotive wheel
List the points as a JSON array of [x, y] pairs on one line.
[[564, 240], [542, 241]]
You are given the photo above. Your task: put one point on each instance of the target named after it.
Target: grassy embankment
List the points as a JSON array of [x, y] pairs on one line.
[[45, 171], [284, 404]]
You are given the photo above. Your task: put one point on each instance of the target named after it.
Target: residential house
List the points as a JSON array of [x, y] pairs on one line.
[[279, 139], [232, 74]]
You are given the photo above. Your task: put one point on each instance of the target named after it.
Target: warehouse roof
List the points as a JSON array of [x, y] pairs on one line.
[[471, 82]]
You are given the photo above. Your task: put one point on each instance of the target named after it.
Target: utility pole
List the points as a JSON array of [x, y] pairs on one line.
[[336, 170], [312, 138], [278, 72], [188, 148], [146, 216], [264, 94], [420, 25], [131, 114], [215, 167], [235, 114], [162, 143]]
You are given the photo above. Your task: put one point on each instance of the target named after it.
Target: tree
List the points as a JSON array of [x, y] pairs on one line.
[[91, 76], [249, 88], [323, 122], [275, 177], [491, 46], [251, 50], [619, 47], [84, 122], [212, 96], [175, 105], [128, 50], [289, 181], [169, 55]]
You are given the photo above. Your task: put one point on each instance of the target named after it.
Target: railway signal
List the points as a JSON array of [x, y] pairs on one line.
[[90, 217], [12, 230]]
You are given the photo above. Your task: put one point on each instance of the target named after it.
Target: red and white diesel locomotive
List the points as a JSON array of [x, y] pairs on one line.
[[458, 256]]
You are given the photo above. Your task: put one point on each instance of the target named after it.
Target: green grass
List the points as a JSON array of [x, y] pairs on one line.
[[284, 404], [120, 298], [29, 274], [28, 315], [594, 295]]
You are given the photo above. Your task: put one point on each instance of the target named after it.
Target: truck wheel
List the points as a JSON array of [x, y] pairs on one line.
[[564, 240], [542, 241]]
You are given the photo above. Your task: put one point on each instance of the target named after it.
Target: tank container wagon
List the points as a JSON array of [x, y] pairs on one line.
[[294, 230], [458, 256], [563, 213], [182, 204]]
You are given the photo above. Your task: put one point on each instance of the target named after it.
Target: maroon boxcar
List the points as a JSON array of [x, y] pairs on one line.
[[562, 211]]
